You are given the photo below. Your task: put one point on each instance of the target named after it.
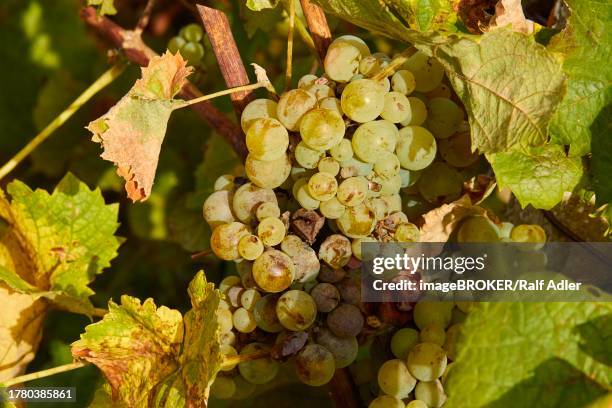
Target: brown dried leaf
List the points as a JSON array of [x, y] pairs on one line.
[[133, 130], [511, 12], [440, 222], [307, 224]]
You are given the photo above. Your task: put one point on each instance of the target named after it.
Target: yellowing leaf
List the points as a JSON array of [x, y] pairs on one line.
[[131, 132], [105, 7], [442, 221], [153, 357]]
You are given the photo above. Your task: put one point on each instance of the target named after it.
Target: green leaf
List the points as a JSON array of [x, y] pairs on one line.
[[509, 85], [153, 357], [257, 5], [133, 130], [539, 176], [601, 161], [531, 354], [104, 7], [585, 45], [57, 242]]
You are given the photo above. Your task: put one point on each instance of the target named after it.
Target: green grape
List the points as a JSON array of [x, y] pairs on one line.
[[356, 246], [356, 42], [389, 186], [431, 393], [409, 178], [418, 112], [250, 247], [249, 298], [427, 71], [395, 379], [307, 157], [378, 206], [352, 191], [175, 44], [397, 108], [267, 139], [228, 351], [427, 361], [335, 251], [224, 240], [477, 229], [384, 84], [332, 208], [273, 271], [271, 231], [268, 174], [329, 165], [440, 91], [292, 245], [416, 404], [320, 91], [362, 100], [261, 370], [326, 297], [407, 232], [322, 186], [228, 282], [531, 260], [444, 117], [300, 172], [433, 333], [315, 365], [387, 166], [307, 264], [440, 183], [248, 198], [302, 195], [355, 167], [224, 182], [457, 150], [533, 237], [344, 349], [386, 401], [450, 342], [243, 320], [370, 66], [342, 60], [267, 209], [228, 338], [224, 318], [426, 313], [244, 389], [403, 341], [357, 222], [233, 295], [345, 321], [257, 109], [394, 203], [292, 106], [372, 139], [265, 314], [217, 208], [465, 307], [331, 103], [403, 82], [343, 151], [307, 80], [192, 32], [322, 129], [223, 388], [193, 52], [416, 148], [296, 310]]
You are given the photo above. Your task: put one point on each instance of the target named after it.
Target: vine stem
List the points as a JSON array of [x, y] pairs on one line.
[[104, 80], [143, 21], [289, 70], [241, 358], [394, 64], [317, 24], [99, 312], [229, 91], [44, 373]]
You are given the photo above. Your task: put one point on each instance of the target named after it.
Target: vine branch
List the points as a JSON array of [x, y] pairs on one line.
[[143, 21], [44, 373], [228, 57], [138, 52], [317, 24], [342, 390]]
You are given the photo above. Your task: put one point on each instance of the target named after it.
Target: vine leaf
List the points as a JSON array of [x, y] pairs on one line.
[[510, 12], [56, 243], [585, 46], [131, 132], [442, 221], [539, 176], [104, 7], [509, 85], [258, 5], [557, 347], [152, 356], [601, 162]]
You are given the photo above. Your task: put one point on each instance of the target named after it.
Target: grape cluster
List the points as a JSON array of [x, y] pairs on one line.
[[345, 158], [189, 44]]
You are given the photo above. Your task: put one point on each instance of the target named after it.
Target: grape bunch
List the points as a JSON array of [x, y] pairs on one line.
[[349, 157], [189, 44]]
